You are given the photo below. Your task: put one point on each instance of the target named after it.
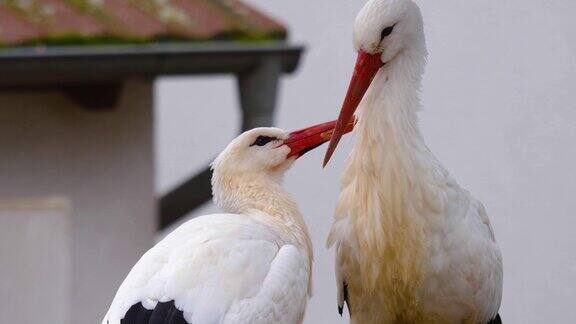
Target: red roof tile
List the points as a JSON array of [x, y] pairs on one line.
[[133, 20], [13, 28], [60, 19], [82, 21]]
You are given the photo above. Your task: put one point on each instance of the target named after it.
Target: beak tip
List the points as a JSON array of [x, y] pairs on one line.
[[336, 136], [327, 157]]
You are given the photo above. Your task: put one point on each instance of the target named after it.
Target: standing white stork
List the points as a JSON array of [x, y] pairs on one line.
[[412, 246], [252, 265]]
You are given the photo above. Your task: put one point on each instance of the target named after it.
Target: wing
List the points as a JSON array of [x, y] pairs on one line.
[[283, 296], [471, 267], [344, 254], [214, 268], [342, 261], [485, 261]]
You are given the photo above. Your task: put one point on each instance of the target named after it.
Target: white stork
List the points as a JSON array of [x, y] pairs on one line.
[[252, 265], [412, 246]]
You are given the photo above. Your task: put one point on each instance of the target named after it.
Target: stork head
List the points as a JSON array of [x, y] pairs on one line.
[[259, 151], [383, 31], [384, 28], [270, 151], [259, 158]]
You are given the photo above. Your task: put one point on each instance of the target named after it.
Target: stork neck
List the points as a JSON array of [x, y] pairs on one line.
[[389, 131], [257, 192], [387, 188], [262, 196], [390, 107]]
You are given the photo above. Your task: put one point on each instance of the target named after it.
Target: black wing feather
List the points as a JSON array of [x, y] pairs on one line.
[[137, 314], [163, 313], [346, 300], [496, 320]]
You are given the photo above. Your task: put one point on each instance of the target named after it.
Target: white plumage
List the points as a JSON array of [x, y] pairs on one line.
[[412, 246], [250, 266], [221, 269]]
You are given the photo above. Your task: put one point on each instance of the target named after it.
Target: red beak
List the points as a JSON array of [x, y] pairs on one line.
[[367, 65], [305, 140]]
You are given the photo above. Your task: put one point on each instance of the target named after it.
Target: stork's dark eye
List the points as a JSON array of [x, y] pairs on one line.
[[387, 31], [263, 140]]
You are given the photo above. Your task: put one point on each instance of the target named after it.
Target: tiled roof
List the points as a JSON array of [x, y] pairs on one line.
[[28, 22]]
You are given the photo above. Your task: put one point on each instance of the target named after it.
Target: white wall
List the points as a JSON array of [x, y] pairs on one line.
[[498, 110], [102, 163], [33, 277]]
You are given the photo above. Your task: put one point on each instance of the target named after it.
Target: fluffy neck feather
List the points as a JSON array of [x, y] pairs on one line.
[[389, 183], [261, 196]]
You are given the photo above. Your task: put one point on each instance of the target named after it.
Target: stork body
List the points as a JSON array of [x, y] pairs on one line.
[[251, 265], [412, 246], [226, 268]]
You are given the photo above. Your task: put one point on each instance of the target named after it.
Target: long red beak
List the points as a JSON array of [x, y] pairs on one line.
[[307, 139], [367, 65]]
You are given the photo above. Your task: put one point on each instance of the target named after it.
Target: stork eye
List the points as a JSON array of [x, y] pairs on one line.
[[387, 31], [263, 140]]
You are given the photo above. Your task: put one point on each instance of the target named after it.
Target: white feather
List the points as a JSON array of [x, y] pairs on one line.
[[250, 266], [220, 269], [411, 243]]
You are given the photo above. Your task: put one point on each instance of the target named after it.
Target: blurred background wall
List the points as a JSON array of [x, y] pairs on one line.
[[498, 111], [75, 185]]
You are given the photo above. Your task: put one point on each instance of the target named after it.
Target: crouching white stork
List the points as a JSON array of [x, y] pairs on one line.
[[252, 265], [412, 245]]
